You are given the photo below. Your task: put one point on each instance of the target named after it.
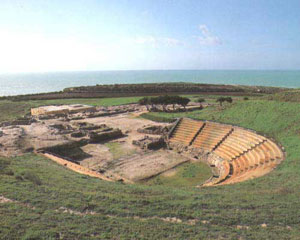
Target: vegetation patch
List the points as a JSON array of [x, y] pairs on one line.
[[32, 177], [189, 174], [4, 167], [286, 96], [118, 150]]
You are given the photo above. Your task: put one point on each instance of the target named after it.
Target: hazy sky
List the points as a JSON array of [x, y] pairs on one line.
[[155, 34]]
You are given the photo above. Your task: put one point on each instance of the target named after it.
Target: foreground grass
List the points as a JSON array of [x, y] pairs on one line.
[[263, 208], [218, 210]]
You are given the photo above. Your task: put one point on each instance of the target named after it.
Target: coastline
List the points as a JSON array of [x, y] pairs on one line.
[[35, 83], [148, 89]]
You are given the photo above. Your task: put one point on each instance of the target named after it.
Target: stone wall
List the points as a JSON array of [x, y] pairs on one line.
[[149, 143], [157, 130], [96, 137]]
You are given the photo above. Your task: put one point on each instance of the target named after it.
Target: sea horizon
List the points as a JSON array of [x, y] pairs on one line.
[[42, 82]]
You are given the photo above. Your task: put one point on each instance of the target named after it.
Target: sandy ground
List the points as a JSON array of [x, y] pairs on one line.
[[100, 156], [144, 166], [135, 164], [39, 135]]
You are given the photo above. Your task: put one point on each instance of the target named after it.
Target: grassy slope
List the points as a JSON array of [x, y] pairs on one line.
[[272, 199], [286, 96]]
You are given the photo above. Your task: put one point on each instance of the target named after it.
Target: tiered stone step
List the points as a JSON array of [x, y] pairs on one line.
[[211, 135], [185, 131]]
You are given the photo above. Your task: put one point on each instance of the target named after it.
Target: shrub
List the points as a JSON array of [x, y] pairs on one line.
[[228, 99], [246, 98], [19, 177], [221, 100], [30, 176], [8, 172], [224, 99], [3, 165]]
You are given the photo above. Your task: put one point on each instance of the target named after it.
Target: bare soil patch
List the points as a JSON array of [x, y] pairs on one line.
[[144, 166]]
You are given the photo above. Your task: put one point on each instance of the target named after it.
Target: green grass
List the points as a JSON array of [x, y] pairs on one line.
[[186, 175], [272, 199], [286, 96]]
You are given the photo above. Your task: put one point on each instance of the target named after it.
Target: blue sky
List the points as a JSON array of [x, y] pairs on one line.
[[38, 36]]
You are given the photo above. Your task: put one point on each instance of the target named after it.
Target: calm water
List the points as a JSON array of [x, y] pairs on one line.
[[14, 84]]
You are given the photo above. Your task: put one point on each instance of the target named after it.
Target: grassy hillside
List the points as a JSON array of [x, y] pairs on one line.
[[52, 202], [286, 96]]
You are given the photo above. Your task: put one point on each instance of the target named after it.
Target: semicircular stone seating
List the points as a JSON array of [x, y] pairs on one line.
[[242, 154]]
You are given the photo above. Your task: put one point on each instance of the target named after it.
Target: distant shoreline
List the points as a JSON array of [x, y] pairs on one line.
[[34, 83], [148, 89]]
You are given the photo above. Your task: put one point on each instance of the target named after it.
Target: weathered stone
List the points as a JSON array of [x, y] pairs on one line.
[[149, 143], [157, 130], [96, 137]]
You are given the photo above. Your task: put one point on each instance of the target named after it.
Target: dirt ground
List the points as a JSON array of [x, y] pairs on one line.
[[127, 122], [149, 164], [133, 163]]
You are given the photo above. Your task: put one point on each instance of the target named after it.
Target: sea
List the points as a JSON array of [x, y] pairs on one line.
[[28, 83]]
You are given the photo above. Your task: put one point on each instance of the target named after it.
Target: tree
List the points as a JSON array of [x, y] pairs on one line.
[[154, 101], [228, 99], [174, 100], [224, 99], [145, 101], [164, 101], [221, 100], [200, 100], [184, 101]]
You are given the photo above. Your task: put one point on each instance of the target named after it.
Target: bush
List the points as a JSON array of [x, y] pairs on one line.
[[19, 177], [224, 99], [8, 172], [3, 165], [228, 99], [246, 98], [200, 100], [30, 176]]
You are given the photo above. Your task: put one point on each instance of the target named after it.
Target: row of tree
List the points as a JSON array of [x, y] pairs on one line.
[[151, 103], [224, 99]]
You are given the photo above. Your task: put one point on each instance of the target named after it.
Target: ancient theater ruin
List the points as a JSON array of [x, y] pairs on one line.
[[115, 144], [235, 154]]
